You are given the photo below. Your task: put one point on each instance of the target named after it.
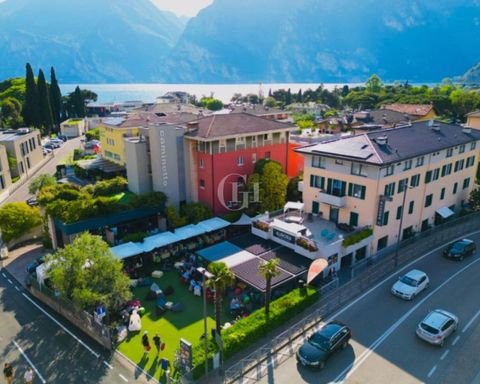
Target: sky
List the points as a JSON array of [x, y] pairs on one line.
[[187, 8]]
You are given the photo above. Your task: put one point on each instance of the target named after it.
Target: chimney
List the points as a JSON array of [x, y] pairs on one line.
[[467, 129], [382, 140]]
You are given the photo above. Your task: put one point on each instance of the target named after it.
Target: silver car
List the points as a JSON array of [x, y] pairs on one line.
[[410, 285], [437, 326]]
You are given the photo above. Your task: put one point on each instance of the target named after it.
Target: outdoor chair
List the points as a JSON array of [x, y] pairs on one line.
[[324, 233], [331, 236]]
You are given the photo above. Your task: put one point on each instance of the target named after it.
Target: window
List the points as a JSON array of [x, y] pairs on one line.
[[402, 184], [339, 162], [240, 140], [254, 141], [428, 177], [410, 207], [267, 136], [459, 165], [389, 170], [240, 161], [461, 149], [356, 190], [455, 187], [428, 200], [473, 146], [449, 152], [466, 183], [446, 170], [436, 174], [359, 169], [470, 161], [267, 155], [222, 145], [442, 194], [407, 165], [399, 212], [254, 157], [201, 146], [385, 218], [389, 189], [353, 219], [2, 183], [202, 184], [420, 161], [318, 162], [317, 182], [415, 180], [336, 187], [201, 163], [382, 243]]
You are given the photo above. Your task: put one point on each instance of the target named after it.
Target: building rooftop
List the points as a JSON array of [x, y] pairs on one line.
[[411, 109], [474, 113], [401, 143], [15, 134], [234, 124], [138, 119], [384, 117]]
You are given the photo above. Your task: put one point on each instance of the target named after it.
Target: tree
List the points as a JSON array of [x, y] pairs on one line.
[[16, 219], [31, 107], [41, 181], [46, 118], [269, 270], [211, 104], [87, 273], [11, 112], [55, 99], [274, 186], [474, 199], [195, 212], [299, 96], [222, 277], [270, 102], [293, 194], [174, 219], [374, 83], [78, 103]]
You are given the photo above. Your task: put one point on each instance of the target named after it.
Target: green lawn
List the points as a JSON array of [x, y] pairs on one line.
[[170, 326]]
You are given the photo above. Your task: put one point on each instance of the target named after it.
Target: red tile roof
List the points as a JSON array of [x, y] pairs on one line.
[[411, 109]]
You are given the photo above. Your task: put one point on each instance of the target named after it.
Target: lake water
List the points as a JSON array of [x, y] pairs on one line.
[[149, 92]]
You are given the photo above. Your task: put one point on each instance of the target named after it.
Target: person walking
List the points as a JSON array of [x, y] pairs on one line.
[[145, 342], [158, 342], [28, 376], [8, 373]]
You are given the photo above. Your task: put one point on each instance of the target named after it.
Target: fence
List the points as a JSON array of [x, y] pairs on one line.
[[273, 353], [81, 319]]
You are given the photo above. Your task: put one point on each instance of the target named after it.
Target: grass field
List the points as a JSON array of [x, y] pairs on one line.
[[170, 326]]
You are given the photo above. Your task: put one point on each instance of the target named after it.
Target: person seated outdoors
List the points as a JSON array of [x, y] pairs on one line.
[[139, 263], [186, 276], [235, 304], [193, 283]]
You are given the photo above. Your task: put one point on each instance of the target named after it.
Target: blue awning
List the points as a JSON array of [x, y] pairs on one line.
[[213, 224], [159, 240], [189, 231], [123, 251]]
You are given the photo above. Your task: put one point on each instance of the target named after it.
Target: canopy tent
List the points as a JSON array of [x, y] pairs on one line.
[[243, 220], [298, 206], [237, 258], [219, 251], [123, 251], [159, 240], [445, 212], [189, 231], [213, 224]]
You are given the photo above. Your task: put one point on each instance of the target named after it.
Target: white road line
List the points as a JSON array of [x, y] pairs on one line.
[[351, 368], [18, 289], [10, 281], [123, 377], [4, 275], [30, 362], [444, 354], [432, 371], [470, 322], [108, 365], [61, 326], [456, 340]]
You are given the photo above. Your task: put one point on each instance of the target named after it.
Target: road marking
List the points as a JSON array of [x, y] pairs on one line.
[[432, 371], [470, 322], [123, 377], [29, 362], [351, 368], [18, 289], [444, 354], [61, 326], [456, 340], [4, 275], [108, 365], [10, 281]]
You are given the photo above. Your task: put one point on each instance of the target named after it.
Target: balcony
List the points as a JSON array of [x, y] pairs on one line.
[[336, 201]]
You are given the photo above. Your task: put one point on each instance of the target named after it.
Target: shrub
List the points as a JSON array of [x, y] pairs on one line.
[[261, 225], [308, 244], [110, 187], [136, 237], [356, 237]]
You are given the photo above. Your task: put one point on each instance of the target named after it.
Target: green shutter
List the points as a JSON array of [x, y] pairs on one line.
[[344, 187], [329, 186], [311, 181], [350, 189], [363, 192]]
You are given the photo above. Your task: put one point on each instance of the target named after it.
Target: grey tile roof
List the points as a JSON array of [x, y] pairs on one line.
[[403, 143]]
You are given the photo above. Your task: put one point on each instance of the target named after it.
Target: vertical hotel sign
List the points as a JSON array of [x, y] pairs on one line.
[[381, 210]]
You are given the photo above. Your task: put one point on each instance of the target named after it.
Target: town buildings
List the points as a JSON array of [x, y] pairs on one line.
[[415, 111], [473, 120], [5, 177], [73, 128]]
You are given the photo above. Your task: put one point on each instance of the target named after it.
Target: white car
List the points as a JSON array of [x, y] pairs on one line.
[[410, 285], [437, 326]]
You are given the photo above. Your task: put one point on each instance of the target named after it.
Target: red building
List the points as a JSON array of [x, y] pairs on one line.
[[221, 152]]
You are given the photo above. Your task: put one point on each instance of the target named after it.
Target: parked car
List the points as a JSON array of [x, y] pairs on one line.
[[32, 201], [410, 285], [321, 345], [460, 249], [437, 326], [50, 146], [58, 141], [63, 138], [31, 267]]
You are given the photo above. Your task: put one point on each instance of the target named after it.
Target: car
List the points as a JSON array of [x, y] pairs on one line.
[[57, 141], [62, 137], [460, 249], [437, 326], [322, 344], [51, 145], [32, 267], [32, 201], [410, 285]]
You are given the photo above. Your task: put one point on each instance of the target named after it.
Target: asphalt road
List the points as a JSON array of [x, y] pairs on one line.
[[384, 347], [57, 352]]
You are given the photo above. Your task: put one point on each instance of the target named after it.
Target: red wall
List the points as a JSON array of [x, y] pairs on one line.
[[295, 160]]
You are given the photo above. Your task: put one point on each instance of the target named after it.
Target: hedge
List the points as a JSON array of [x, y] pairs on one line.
[[356, 237], [249, 330]]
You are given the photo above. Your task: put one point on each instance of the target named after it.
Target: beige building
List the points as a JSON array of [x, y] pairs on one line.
[[473, 120], [25, 145], [73, 128], [403, 179], [5, 178]]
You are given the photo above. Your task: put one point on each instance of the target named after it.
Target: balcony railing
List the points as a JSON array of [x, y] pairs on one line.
[[337, 201]]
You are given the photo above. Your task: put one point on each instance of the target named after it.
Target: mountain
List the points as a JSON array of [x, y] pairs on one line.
[[472, 76], [327, 41], [87, 40]]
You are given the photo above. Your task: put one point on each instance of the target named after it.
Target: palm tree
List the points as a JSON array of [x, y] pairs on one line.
[[222, 278], [269, 270]]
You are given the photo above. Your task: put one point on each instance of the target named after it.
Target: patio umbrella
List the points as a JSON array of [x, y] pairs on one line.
[[316, 267]]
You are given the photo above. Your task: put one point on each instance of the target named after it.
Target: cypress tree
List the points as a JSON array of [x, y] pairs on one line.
[[44, 101], [55, 99], [78, 103], [31, 108]]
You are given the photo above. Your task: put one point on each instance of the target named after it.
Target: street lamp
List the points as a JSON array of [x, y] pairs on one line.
[[397, 248]]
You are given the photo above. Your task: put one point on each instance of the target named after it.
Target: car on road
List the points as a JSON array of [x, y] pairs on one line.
[[410, 285], [32, 201], [32, 267], [322, 344], [458, 250], [437, 326]]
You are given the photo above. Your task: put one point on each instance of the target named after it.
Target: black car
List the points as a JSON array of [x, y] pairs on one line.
[[323, 343], [459, 249]]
